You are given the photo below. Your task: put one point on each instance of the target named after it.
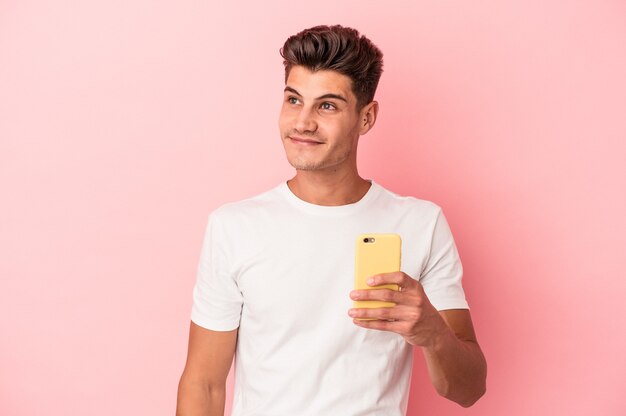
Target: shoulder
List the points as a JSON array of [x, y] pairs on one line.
[[248, 208], [407, 204]]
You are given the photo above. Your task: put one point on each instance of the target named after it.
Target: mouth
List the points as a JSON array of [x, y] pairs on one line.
[[304, 141]]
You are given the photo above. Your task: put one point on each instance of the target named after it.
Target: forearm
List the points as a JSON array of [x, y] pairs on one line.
[[457, 368], [200, 399]]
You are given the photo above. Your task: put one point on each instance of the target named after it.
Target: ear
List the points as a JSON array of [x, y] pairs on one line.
[[367, 117]]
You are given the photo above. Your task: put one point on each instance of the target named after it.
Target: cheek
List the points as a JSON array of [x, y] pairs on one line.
[[346, 132], [282, 120], [285, 117]]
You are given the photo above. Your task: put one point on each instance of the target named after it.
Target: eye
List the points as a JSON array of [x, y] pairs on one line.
[[292, 100], [328, 106]]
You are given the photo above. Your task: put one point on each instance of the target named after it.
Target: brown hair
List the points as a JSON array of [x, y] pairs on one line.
[[340, 49]]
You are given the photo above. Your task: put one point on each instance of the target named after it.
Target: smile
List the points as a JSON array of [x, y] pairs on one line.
[[303, 141]]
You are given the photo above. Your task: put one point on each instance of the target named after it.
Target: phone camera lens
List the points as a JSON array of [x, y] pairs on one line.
[[366, 240]]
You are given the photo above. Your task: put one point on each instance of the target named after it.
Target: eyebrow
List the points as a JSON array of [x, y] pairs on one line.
[[322, 97]]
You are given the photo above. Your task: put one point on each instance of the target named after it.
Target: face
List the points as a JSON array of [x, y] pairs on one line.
[[319, 121]]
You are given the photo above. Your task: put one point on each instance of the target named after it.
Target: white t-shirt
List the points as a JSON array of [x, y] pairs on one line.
[[281, 270]]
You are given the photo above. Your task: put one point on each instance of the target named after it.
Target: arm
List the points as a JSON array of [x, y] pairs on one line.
[[202, 386], [456, 365], [455, 362]]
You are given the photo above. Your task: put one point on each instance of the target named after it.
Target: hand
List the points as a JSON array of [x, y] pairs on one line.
[[413, 317]]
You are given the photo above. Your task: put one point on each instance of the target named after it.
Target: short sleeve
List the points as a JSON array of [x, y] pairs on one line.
[[217, 300], [441, 276]]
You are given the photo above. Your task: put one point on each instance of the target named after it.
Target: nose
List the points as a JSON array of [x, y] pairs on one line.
[[305, 121]]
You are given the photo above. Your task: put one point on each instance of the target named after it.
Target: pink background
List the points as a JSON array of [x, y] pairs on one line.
[[124, 123]]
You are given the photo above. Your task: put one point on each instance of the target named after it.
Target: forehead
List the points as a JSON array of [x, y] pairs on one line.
[[318, 83]]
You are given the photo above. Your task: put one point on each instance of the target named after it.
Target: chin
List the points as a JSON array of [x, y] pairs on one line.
[[305, 166]]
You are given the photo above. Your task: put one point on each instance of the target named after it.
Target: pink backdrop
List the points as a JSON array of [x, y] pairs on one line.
[[122, 124]]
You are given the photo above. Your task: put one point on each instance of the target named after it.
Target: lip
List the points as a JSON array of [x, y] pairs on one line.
[[303, 141]]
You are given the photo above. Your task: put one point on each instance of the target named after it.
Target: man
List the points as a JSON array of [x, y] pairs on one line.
[[276, 271]]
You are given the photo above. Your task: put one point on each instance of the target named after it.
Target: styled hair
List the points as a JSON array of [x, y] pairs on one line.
[[340, 49]]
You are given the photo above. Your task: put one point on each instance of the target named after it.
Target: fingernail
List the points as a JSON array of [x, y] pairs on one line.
[[354, 295], [370, 281], [352, 312]]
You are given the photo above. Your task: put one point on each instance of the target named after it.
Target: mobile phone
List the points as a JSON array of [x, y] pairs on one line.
[[375, 254]]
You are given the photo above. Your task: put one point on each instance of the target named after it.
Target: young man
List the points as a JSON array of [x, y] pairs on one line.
[[276, 272]]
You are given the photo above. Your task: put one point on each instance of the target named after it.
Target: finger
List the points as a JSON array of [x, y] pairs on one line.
[[398, 278], [386, 314], [385, 295], [379, 325], [393, 313]]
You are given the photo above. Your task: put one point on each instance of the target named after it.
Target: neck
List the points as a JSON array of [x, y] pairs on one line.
[[328, 189]]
